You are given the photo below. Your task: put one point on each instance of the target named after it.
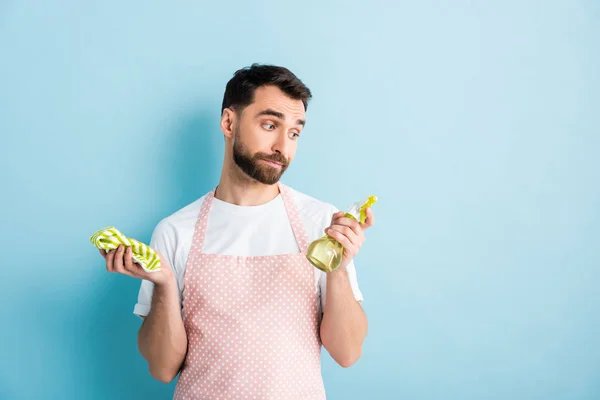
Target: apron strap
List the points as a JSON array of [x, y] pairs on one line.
[[202, 222], [294, 217]]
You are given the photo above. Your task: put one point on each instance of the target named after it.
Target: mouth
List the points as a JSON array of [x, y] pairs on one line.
[[273, 164]]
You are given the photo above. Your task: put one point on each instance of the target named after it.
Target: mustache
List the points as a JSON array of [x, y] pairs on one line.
[[276, 157]]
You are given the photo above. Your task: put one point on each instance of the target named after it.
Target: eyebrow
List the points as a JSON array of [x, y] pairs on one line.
[[279, 115]]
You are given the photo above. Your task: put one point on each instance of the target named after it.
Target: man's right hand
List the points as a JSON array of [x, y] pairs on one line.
[[120, 261]]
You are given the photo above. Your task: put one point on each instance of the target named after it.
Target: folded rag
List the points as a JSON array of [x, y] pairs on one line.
[[110, 238]]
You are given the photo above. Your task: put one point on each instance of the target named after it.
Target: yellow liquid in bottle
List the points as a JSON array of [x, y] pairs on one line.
[[325, 254]]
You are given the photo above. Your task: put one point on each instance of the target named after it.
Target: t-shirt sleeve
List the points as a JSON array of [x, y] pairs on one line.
[[163, 240]]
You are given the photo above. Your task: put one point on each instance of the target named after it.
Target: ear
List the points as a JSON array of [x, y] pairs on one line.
[[228, 121]]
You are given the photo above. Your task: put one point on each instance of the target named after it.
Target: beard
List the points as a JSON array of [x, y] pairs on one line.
[[251, 165]]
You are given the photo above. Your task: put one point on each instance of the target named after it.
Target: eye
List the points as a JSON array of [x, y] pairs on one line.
[[269, 127], [294, 135]]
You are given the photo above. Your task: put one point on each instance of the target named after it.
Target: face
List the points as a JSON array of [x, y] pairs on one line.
[[266, 135]]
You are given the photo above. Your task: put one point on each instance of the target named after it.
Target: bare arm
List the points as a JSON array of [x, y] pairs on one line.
[[162, 339], [344, 325]]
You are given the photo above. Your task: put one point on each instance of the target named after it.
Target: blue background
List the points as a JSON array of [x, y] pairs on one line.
[[476, 123]]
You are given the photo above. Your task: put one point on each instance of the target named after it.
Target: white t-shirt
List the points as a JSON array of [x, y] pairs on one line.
[[240, 231]]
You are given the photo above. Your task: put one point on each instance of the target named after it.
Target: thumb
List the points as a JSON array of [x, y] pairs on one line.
[[163, 260], [369, 221]]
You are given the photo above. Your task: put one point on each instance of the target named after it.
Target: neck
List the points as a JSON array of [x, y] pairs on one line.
[[237, 188]]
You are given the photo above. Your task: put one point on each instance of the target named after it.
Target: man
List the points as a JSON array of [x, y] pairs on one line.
[[237, 309]]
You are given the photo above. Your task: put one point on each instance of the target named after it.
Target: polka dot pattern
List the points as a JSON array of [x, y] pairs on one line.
[[252, 322]]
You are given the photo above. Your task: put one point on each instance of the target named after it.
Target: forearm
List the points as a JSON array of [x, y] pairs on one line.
[[162, 339], [344, 324]]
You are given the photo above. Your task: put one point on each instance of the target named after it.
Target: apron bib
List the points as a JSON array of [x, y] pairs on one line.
[[252, 322]]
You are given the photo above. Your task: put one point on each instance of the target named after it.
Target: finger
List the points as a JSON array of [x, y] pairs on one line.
[[102, 253], [344, 241], [350, 223], [348, 233], [118, 261], [337, 215], [370, 220], [129, 264], [110, 256]]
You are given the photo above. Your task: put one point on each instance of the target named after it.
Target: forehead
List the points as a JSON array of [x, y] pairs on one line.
[[271, 97]]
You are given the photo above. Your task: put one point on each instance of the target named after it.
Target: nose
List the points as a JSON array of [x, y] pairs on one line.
[[281, 145]]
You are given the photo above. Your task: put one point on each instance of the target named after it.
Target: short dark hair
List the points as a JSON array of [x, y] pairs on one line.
[[240, 89]]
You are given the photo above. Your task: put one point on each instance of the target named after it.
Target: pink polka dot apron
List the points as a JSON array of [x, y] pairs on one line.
[[252, 322]]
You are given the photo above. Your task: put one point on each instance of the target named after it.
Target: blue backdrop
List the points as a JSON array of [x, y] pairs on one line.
[[476, 123]]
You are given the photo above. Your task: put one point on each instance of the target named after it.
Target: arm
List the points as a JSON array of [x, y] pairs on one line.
[[344, 324], [162, 339]]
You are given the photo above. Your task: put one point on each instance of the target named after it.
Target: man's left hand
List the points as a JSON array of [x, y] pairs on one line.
[[350, 233]]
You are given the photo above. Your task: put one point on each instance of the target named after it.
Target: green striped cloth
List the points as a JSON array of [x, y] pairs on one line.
[[110, 238]]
